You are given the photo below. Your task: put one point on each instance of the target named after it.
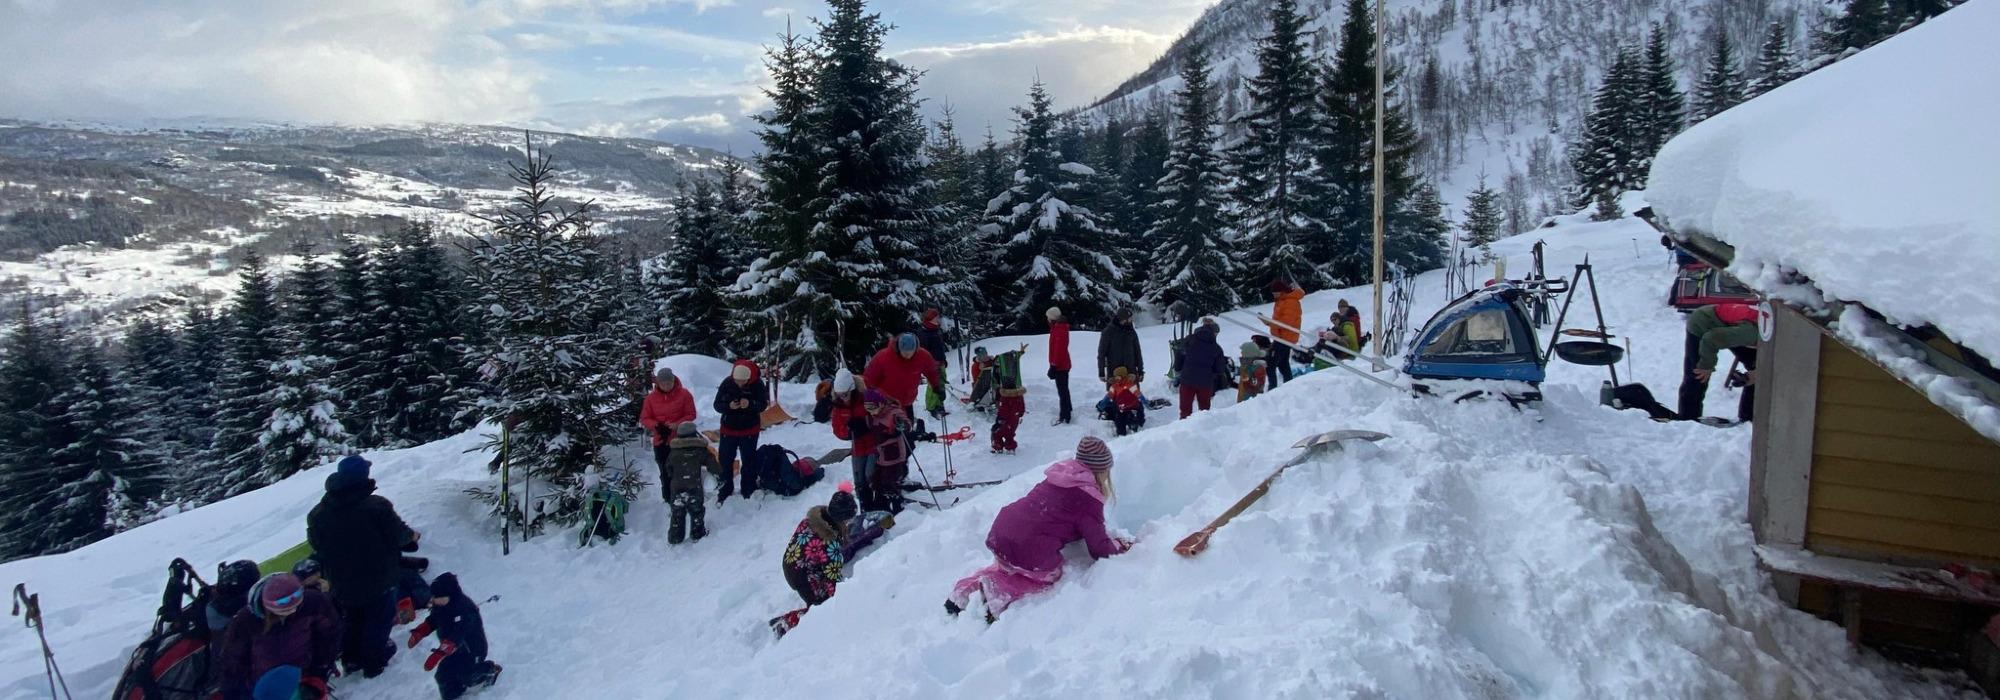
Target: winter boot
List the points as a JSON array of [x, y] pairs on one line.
[[696, 526], [676, 531]]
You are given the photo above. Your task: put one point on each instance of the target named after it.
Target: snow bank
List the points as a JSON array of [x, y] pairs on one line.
[[1573, 551], [1876, 177]]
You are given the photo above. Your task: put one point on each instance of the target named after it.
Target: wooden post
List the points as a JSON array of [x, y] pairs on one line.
[[1379, 40]]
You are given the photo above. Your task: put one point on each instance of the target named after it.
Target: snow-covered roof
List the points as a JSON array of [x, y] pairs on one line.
[[1877, 178]]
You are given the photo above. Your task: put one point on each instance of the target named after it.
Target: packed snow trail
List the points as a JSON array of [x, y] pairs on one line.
[[1569, 551]]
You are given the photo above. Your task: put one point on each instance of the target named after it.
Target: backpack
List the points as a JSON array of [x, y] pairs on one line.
[[173, 661], [1007, 371], [605, 513], [781, 471]]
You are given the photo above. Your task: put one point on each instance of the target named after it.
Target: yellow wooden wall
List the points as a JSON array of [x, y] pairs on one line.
[[1895, 476]]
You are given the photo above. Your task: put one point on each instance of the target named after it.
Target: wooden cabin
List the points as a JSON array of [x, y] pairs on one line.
[[1873, 506]]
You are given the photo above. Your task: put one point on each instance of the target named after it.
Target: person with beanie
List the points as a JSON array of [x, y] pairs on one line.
[[359, 541], [285, 624], [1119, 347], [1012, 401], [981, 399], [1285, 310], [460, 657], [667, 406], [741, 400], [681, 484], [1250, 369], [1029, 534], [1128, 407], [898, 368], [1203, 368], [818, 549], [930, 337], [1059, 362], [850, 423], [888, 427]]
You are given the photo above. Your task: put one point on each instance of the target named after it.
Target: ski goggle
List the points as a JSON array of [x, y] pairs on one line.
[[287, 602]]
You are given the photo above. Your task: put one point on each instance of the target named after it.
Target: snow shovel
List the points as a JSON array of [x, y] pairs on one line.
[[1197, 542]]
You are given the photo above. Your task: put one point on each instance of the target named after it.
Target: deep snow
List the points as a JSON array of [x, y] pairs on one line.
[[1877, 186], [1569, 551]]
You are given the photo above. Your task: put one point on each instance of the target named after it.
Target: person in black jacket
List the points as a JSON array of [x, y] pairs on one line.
[[740, 401], [359, 540], [1118, 347], [1202, 365], [930, 337], [460, 657]]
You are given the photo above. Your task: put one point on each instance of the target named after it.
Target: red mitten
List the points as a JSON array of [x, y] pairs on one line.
[[445, 648], [311, 688], [405, 611], [418, 634]]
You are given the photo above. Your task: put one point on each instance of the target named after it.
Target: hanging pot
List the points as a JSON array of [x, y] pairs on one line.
[[1590, 352]]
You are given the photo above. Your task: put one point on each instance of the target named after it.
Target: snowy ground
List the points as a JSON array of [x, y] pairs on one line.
[[1570, 551]]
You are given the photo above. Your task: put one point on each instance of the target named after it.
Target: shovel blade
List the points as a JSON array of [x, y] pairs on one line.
[[1336, 436]]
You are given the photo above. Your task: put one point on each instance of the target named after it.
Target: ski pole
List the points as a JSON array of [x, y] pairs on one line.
[[29, 609], [927, 480]]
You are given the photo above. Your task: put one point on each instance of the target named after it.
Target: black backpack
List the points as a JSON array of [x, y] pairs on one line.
[[778, 471]]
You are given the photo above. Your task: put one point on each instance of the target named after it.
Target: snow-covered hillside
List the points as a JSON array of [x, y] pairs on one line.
[[1514, 77], [1482, 552]]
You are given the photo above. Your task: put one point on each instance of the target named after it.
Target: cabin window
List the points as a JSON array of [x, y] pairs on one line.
[[1483, 333]]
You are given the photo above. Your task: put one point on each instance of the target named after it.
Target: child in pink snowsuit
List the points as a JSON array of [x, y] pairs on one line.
[[1028, 536]]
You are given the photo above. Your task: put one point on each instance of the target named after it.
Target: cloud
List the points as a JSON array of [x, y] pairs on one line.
[[715, 117], [983, 81], [779, 12]]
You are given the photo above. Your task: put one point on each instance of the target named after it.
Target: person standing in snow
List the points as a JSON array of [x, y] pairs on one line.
[[741, 401], [666, 407], [850, 423], [1029, 534], [460, 658], [888, 427], [359, 541], [930, 337], [1118, 347], [1710, 330], [897, 369], [681, 482], [1285, 310], [1011, 402], [1202, 365], [285, 625], [1059, 361]]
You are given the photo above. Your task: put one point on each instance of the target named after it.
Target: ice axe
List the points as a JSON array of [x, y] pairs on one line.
[[1312, 446]]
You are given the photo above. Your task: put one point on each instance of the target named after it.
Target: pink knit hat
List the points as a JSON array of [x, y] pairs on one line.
[[1093, 454], [281, 593]]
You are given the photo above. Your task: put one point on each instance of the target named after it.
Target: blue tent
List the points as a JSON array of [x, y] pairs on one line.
[[1483, 335]]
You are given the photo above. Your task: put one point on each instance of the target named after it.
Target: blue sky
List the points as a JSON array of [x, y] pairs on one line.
[[677, 70]]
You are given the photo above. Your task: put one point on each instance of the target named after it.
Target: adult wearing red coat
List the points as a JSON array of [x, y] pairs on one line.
[[666, 407], [899, 369]]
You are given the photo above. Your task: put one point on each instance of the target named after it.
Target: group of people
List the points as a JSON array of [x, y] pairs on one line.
[[286, 634]]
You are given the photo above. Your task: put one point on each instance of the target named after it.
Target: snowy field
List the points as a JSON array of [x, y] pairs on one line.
[[1570, 551]]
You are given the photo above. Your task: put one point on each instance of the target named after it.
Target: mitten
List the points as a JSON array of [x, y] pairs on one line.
[[405, 611], [418, 634], [445, 648], [312, 688]]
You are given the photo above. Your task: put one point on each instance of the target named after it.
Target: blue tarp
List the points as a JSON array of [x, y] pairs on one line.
[[1482, 335]]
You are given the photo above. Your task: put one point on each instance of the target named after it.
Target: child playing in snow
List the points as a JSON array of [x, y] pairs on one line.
[[1029, 534], [1012, 400], [460, 657], [982, 398], [888, 426], [818, 548], [685, 463], [1128, 408], [1249, 371]]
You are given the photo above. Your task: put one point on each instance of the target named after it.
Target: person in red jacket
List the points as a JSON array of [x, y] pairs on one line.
[[667, 406], [850, 422], [1059, 361], [898, 369]]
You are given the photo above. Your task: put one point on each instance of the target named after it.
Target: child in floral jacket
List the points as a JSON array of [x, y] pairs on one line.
[[816, 555]]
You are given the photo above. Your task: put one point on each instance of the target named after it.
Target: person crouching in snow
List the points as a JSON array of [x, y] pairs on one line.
[[1029, 534], [686, 516], [818, 548], [1128, 408], [460, 657], [1249, 370]]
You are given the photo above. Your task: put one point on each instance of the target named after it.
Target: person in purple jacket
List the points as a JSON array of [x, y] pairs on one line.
[[1029, 534], [286, 624]]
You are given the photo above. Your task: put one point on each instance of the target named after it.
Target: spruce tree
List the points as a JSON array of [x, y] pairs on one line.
[[1342, 192], [308, 309], [1053, 252], [869, 262], [1775, 64], [1152, 143], [1860, 25], [1607, 156], [1422, 233], [110, 478], [352, 321], [1483, 219], [254, 342], [994, 174], [1721, 85], [950, 167], [690, 283], [1661, 108], [1276, 232], [201, 360], [33, 376], [1110, 157], [427, 292], [1190, 256], [154, 384], [541, 291], [303, 427]]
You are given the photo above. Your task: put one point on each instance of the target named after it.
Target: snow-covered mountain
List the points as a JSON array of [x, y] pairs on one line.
[[1513, 78], [1567, 551], [108, 216]]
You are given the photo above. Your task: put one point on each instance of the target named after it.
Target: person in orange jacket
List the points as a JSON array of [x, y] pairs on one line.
[[667, 406], [1285, 310]]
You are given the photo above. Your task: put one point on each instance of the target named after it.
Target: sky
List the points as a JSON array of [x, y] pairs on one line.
[[685, 71]]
